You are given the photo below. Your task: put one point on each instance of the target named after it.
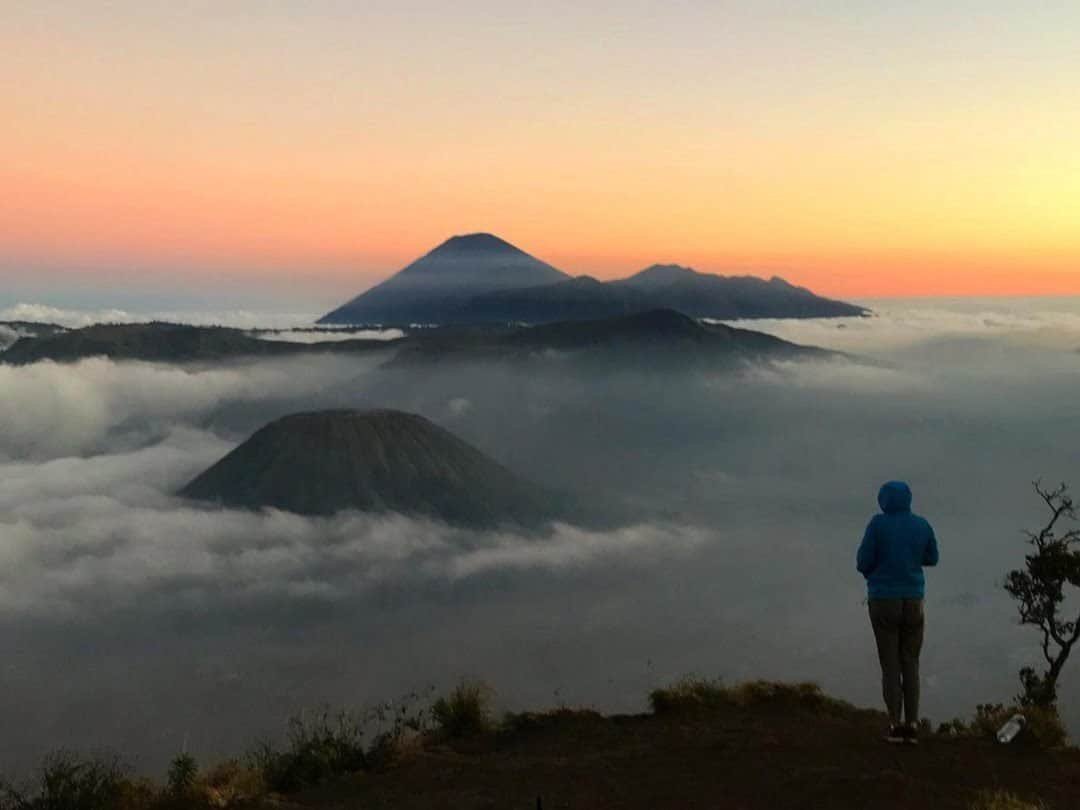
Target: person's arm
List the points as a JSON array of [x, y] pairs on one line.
[[930, 555], [866, 558]]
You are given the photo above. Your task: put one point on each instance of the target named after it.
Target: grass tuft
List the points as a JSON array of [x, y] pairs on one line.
[[1043, 726], [229, 784], [697, 694], [466, 711], [320, 747], [690, 694]]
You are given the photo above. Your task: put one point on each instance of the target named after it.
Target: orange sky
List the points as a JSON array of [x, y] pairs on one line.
[[862, 154]]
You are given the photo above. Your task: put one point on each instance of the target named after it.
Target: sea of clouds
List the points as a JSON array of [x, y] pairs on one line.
[[291, 327], [136, 620], [75, 318]]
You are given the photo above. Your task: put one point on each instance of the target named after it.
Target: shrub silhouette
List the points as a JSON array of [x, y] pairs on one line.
[[69, 782], [319, 748], [183, 771], [1040, 592], [400, 726], [466, 711]]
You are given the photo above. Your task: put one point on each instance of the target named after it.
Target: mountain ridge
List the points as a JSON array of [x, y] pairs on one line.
[[481, 278], [657, 340], [162, 342]]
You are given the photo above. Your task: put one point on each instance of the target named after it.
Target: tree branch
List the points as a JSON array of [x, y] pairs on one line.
[[1039, 592]]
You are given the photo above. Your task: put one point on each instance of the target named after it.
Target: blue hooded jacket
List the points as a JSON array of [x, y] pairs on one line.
[[896, 546]]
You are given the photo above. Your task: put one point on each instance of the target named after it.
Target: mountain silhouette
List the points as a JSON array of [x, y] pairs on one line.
[[656, 340], [705, 295], [659, 276], [435, 287], [479, 279], [662, 286], [374, 461]]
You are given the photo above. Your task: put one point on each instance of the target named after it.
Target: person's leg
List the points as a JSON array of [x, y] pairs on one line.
[[885, 616], [911, 641]]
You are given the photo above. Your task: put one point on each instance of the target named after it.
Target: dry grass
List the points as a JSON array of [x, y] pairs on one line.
[[1003, 800], [229, 784], [320, 746], [1044, 725], [391, 749], [697, 694]]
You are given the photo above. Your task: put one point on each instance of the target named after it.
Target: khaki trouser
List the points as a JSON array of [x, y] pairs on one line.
[[898, 628]]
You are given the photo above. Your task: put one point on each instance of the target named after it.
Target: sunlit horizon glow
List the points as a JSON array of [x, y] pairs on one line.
[[859, 150]]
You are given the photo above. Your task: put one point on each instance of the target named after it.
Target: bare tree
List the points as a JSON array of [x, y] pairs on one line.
[[1040, 590]]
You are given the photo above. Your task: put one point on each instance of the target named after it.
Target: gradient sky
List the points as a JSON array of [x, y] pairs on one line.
[[308, 149]]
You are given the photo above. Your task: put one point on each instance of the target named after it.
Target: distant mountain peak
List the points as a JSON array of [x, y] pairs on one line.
[[434, 287], [780, 281], [475, 243], [668, 268], [662, 274]]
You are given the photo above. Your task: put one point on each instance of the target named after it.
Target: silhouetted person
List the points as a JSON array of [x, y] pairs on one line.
[[895, 547]]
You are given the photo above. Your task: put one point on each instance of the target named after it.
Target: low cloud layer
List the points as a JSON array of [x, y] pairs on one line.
[[332, 335], [85, 536], [77, 318], [899, 324], [50, 409], [8, 336]]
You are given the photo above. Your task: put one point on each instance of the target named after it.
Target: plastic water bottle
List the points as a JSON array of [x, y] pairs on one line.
[[1007, 733]]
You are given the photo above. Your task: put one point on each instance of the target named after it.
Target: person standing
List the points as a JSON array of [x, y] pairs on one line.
[[895, 547]]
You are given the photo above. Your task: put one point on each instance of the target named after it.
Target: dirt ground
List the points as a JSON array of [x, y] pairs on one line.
[[752, 758]]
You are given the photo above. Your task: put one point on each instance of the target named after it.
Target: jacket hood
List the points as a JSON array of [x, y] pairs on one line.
[[894, 496]]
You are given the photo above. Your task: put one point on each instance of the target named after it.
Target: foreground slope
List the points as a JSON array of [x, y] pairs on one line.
[[373, 461], [773, 747], [434, 288]]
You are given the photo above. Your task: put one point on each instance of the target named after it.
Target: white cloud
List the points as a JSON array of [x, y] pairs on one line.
[[75, 318], [903, 323], [573, 547], [330, 335], [8, 336], [50, 409], [835, 375]]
